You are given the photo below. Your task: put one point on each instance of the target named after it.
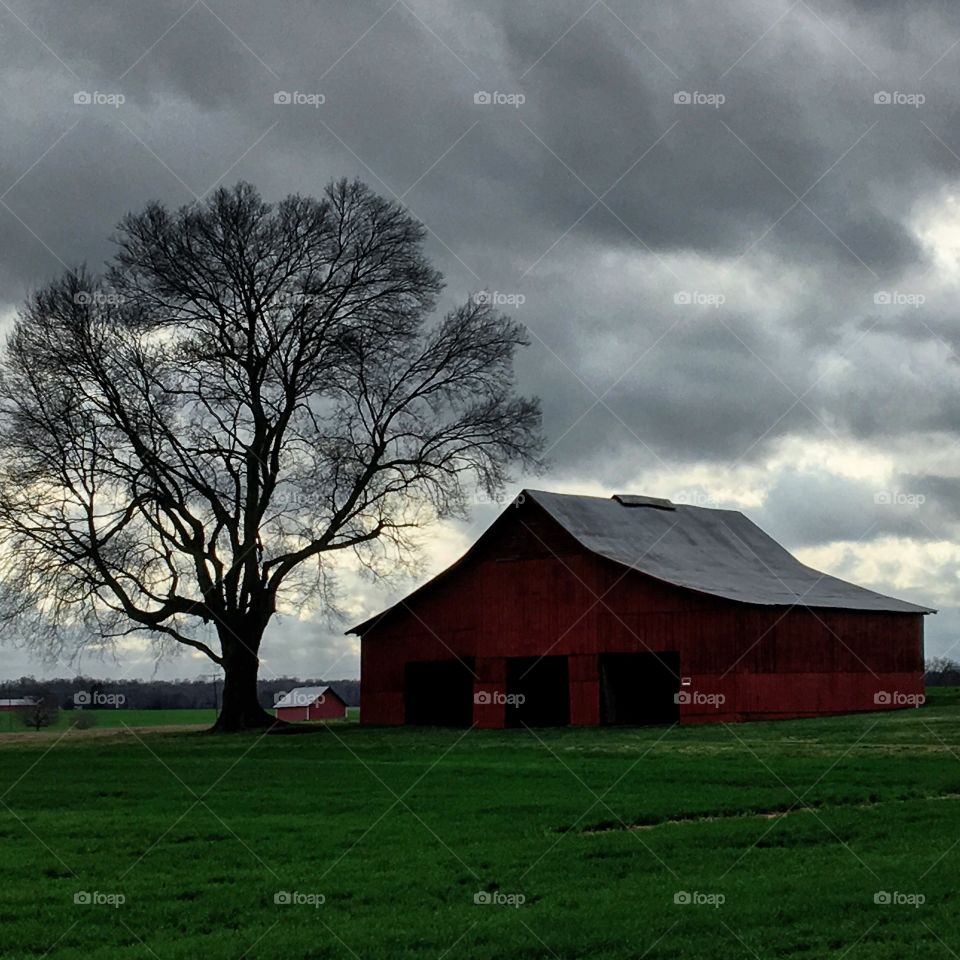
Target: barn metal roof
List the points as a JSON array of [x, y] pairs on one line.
[[301, 697], [719, 552]]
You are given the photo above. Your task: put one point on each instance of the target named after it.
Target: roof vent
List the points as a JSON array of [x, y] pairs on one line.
[[630, 500]]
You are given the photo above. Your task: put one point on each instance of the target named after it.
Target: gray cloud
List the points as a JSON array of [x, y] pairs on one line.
[[810, 509]]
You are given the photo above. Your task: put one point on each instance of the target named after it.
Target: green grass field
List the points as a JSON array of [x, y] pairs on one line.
[[10, 723], [780, 836], [108, 719]]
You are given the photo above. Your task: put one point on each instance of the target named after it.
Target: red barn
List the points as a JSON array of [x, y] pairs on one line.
[[310, 703], [633, 610]]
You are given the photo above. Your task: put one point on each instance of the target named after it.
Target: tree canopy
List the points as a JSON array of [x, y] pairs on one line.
[[245, 394]]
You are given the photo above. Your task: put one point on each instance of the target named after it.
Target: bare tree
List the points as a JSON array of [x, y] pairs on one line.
[[246, 394], [43, 712]]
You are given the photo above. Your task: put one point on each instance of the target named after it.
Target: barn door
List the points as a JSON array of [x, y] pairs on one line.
[[538, 692], [439, 693], [637, 689]]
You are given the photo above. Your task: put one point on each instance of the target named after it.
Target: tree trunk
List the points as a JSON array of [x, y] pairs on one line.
[[240, 708]]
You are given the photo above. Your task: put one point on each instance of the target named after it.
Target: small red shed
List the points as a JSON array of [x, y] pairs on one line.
[[310, 703], [16, 703], [634, 610]]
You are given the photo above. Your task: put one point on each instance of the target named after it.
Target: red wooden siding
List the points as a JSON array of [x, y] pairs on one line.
[[529, 590]]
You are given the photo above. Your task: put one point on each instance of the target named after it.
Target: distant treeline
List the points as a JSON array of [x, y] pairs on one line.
[[199, 694], [158, 694], [943, 672]]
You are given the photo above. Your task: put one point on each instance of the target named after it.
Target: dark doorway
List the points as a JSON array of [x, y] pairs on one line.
[[538, 692], [639, 688], [439, 693]]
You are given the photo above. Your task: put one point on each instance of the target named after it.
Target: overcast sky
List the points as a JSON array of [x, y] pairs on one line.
[[733, 233]]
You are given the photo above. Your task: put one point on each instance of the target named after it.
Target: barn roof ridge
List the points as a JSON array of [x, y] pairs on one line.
[[639, 496]]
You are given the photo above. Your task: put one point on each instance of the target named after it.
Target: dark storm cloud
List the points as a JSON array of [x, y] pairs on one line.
[[599, 129], [597, 99], [692, 387], [798, 163], [942, 492], [795, 103], [808, 509]]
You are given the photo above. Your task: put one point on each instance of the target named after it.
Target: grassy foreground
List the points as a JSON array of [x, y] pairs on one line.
[[808, 839]]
